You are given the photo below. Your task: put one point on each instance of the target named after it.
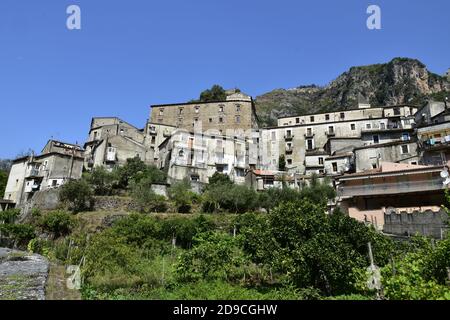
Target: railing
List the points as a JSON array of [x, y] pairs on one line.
[[33, 173], [434, 143], [289, 137], [391, 188]]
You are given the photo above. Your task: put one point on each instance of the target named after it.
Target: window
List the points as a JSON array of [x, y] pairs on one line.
[[288, 133], [238, 119], [274, 136], [238, 108], [374, 165], [335, 166], [220, 108], [95, 135], [312, 118], [405, 136], [321, 171], [382, 125], [376, 139], [297, 120], [309, 144], [153, 140], [396, 111], [210, 120], [180, 111], [353, 127], [195, 178], [327, 117], [220, 120], [321, 161], [331, 129], [161, 111], [181, 154], [289, 162], [413, 162], [342, 115], [54, 183], [368, 126], [405, 149], [309, 132]]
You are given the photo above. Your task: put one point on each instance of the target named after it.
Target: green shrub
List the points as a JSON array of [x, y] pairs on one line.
[[58, 223], [103, 182], [20, 234], [77, 195], [147, 200], [180, 193]]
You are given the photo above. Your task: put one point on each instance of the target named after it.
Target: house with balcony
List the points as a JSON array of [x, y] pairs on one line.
[[197, 156], [369, 195], [57, 163]]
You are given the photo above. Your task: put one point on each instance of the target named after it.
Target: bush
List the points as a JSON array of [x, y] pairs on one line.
[[77, 195], [180, 193], [147, 200], [231, 198], [20, 234], [102, 181], [9, 216], [59, 223]]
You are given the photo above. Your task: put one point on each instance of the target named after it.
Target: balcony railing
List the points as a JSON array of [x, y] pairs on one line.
[[391, 188], [288, 137], [309, 135], [434, 143], [33, 173]]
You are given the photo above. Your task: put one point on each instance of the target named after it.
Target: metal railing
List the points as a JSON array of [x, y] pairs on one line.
[[391, 188]]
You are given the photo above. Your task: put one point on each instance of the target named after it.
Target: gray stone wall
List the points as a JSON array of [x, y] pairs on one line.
[[427, 223]]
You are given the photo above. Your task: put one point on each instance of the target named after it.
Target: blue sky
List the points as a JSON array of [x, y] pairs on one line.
[[131, 54]]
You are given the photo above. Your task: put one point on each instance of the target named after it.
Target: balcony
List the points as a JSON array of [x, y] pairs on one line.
[[435, 144], [311, 151], [391, 188], [289, 150], [289, 137], [309, 135], [33, 173], [331, 134]]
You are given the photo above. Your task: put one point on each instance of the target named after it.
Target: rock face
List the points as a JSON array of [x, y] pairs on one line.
[[22, 275], [400, 81]]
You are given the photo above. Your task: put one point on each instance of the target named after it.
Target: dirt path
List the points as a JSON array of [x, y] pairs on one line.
[[56, 288]]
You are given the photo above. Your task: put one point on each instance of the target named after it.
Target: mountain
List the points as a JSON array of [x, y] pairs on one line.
[[401, 80]]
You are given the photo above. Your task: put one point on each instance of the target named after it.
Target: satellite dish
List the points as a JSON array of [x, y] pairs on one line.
[[444, 174], [446, 182]]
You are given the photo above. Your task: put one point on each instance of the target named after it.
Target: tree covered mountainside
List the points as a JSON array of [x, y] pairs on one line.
[[399, 81]]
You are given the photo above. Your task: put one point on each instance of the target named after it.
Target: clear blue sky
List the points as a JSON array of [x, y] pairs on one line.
[[131, 54]]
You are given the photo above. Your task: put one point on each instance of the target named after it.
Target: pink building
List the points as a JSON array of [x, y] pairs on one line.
[[393, 188]]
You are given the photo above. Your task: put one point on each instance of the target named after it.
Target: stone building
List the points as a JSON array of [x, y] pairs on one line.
[[112, 141], [305, 141], [234, 117], [58, 163]]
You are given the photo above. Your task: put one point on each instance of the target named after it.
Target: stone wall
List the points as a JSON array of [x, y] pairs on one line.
[[428, 223], [114, 204]]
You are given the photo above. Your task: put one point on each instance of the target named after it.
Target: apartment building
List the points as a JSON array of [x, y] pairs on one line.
[[57, 163], [198, 156], [371, 195], [236, 116]]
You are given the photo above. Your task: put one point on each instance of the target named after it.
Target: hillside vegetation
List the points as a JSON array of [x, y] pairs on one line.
[[229, 243]]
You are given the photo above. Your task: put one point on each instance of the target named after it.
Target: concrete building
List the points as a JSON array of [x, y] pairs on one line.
[[234, 117], [57, 163], [305, 141], [367, 196], [198, 156]]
